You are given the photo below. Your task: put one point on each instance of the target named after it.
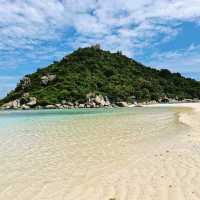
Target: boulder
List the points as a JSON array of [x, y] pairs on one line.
[[25, 107], [66, 106], [81, 106], [122, 104], [99, 100], [32, 101], [44, 80], [50, 107], [70, 104], [16, 104], [25, 82], [139, 105], [92, 105], [26, 95], [48, 78], [59, 106], [88, 106], [12, 104], [107, 102], [7, 106]]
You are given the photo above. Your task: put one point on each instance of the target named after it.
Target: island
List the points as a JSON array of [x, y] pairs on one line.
[[91, 78]]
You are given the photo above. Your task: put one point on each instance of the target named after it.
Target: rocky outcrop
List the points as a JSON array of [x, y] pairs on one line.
[[99, 100], [25, 107], [50, 107], [164, 99], [32, 101], [70, 104], [28, 100], [107, 101], [25, 102], [81, 106], [12, 104], [25, 83], [94, 100], [48, 78]]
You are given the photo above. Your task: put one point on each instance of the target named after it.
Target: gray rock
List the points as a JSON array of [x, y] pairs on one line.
[[99, 100], [16, 104], [139, 105], [26, 95], [87, 105], [107, 102], [44, 80], [66, 106], [48, 78], [7, 106], [25, 107], [32, 101], [60, 106], [25, 82], [92, 105], [81, 106], [12, 105], [70, 104], [122, 104], [50, 107]]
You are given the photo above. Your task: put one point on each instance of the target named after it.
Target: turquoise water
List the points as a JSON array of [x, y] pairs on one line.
[[8, 118], [13, 121], [21, 130]]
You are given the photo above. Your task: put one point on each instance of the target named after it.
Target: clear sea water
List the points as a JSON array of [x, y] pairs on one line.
[[52, 154]]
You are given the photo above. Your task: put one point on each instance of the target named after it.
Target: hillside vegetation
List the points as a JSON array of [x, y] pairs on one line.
[[92, 70]]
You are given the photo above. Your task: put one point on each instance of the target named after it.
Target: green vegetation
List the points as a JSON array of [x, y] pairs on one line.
[[110, 74]]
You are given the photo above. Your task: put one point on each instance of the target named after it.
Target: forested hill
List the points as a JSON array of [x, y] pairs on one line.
[[95, 71]]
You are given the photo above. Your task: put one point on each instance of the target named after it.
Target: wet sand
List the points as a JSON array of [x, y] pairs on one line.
[[105, 160]]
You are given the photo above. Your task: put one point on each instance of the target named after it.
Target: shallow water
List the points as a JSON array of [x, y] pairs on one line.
[[65, 154], [22, 129]]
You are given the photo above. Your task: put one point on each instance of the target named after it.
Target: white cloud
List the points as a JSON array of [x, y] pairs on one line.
[[184, 60], [127, 25], [27, 23]]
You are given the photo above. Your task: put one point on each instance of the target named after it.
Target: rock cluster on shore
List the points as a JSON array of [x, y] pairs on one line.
[[25, 102], [92, 101]]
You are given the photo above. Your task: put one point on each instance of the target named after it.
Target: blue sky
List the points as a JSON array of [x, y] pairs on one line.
[[158, 33]]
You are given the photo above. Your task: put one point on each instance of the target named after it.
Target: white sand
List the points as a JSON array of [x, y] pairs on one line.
[[160, 168]]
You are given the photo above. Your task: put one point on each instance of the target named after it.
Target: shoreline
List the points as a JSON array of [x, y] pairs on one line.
[[126, 105], [191, 119]]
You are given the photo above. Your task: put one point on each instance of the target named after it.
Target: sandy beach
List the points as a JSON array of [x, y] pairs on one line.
[[103, 165]]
